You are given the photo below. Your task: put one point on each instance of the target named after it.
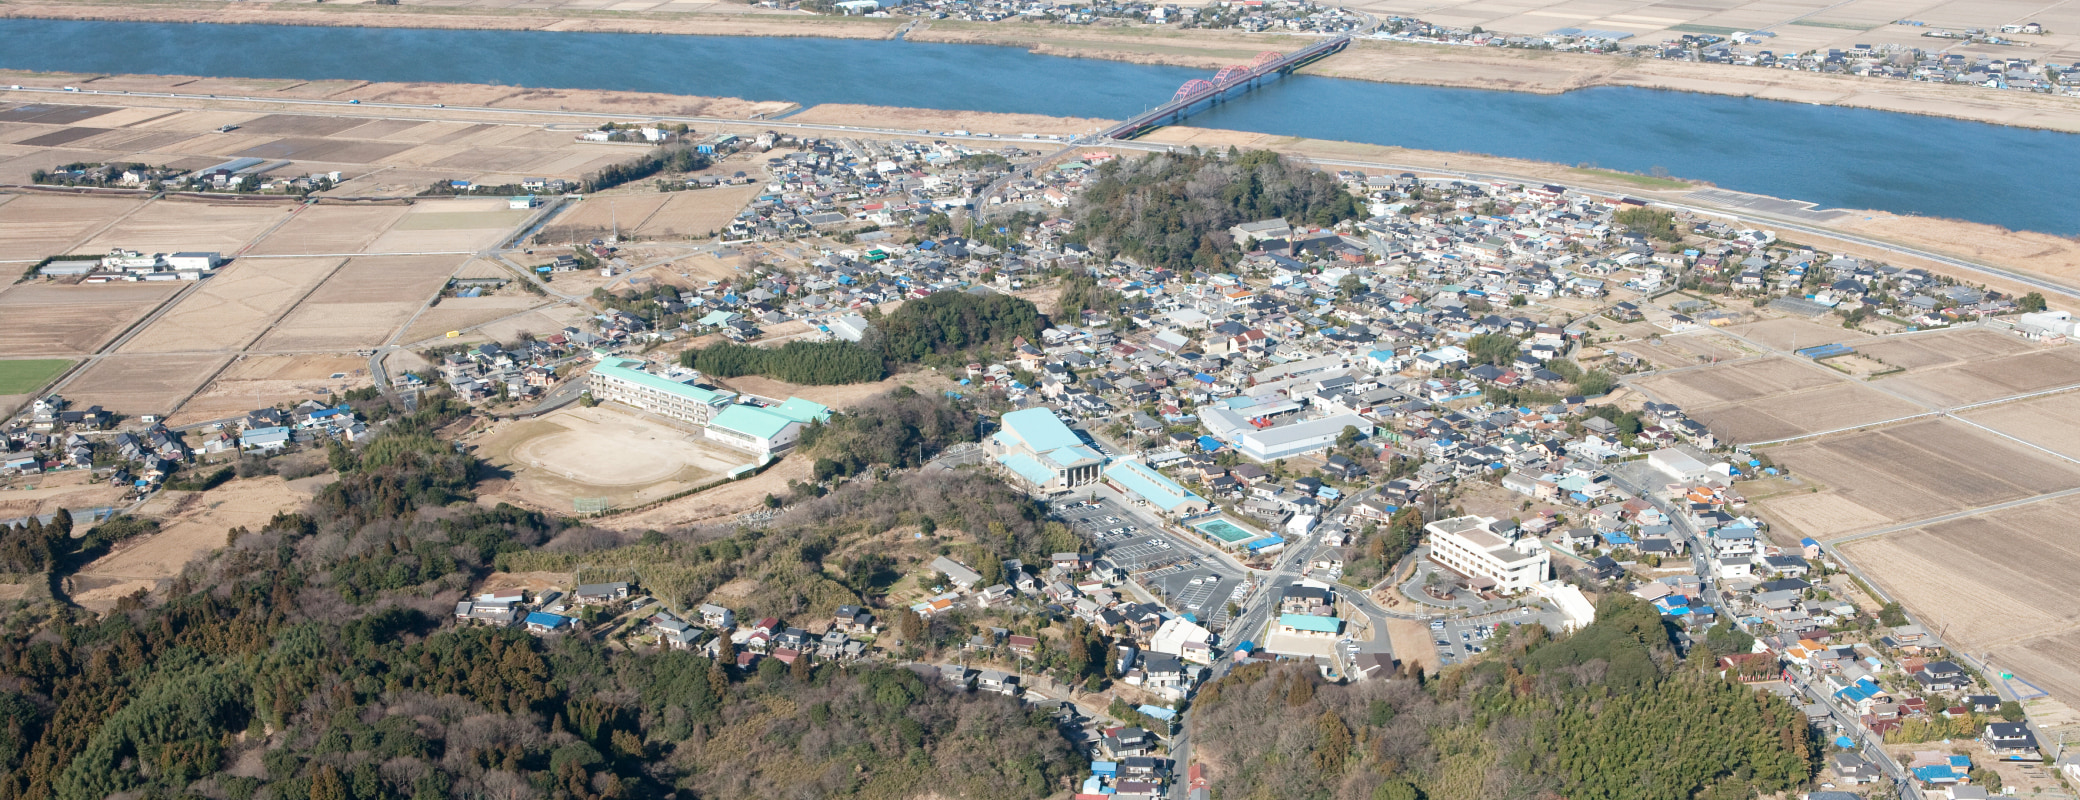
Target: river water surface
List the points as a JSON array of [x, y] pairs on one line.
[[1836, 157]]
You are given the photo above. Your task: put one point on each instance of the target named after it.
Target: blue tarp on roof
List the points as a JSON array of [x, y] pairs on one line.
[[1209, 444], [547, 620], [1157, 712]]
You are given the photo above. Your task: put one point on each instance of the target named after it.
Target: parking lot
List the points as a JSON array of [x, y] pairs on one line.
[[1460, 639], [1185, 580]]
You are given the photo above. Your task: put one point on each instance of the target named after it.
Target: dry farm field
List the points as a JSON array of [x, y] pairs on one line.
[[1982, 378], [45, 320], [1907, 472], [603, 453], [450, 226], [696, 213], [257, 381], [233, 307], [457, 313], [1781, 416], [362, 303], [143, 384], [599, 215], [191, 524], [1991, 584], [1787, 333], [1774, 398], [36, 225], [329, 230], [24, 495], [171, 225], [1944, 348], [2051, 422]]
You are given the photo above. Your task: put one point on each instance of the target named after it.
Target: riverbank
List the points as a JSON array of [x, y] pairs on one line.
[[1497, 69], [238, 101], [1530, 71], [716, 19], [1538, 72], [2047, 255], [110, 89]]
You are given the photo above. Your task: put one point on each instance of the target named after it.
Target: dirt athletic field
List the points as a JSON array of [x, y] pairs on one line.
[[600, 452]]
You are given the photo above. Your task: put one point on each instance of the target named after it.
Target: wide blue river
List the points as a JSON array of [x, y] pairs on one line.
[[1837, 157]]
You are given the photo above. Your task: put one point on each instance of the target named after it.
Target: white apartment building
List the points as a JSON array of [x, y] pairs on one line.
[[1470, 546]]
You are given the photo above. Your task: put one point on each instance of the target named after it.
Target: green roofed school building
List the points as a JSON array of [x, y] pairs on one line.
[[623, 380], [1037, 451], [759, 430]]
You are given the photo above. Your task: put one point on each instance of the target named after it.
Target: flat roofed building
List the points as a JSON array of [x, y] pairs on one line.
[[1239, 428], [1152, 486], [622, 380], [1470, 546], [761, 431]]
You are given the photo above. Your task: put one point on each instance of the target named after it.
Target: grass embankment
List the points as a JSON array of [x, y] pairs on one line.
[[1641, 181], [29, 375]]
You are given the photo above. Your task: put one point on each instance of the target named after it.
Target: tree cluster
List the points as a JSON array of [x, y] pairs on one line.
[[808, 363], [1174, 209], [1607, 713], [675, 157], [1659, 225]]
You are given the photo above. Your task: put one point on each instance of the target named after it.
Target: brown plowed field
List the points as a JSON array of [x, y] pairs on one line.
[[1992, 585], [142, 384], [1919, 469], [232, 307], [53, 320]]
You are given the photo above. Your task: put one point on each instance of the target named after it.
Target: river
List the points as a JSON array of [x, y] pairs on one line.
[[1836, 157]]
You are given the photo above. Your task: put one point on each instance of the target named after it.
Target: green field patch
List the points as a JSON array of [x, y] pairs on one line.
[[29, 375], [1642, 181], [1715, 30]]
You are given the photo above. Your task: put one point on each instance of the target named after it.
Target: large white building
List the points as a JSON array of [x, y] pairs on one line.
[[1505, 563], [1279, 441]]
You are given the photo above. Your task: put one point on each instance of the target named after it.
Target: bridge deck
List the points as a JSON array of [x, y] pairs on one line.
[[1236, 79]]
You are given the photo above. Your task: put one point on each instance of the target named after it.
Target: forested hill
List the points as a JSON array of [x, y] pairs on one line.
[[1174, 209], [1605, 714], [940, 329], [315, 659]]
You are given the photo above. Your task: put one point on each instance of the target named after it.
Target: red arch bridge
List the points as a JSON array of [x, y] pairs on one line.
[[1230, 81]]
